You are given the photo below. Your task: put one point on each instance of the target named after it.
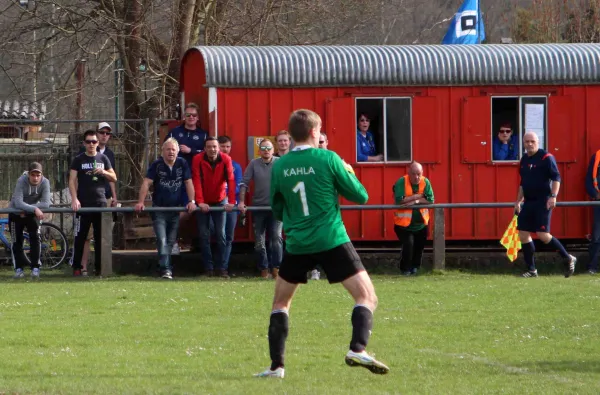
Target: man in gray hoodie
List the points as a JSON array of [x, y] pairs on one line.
[[259, 171], [31, 194]]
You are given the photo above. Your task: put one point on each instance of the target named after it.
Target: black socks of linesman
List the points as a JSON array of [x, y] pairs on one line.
[[278, 333], [528, 250], [362, 323], [559, 247]]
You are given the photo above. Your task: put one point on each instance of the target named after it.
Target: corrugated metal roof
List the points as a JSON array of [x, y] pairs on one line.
[[493, 64]]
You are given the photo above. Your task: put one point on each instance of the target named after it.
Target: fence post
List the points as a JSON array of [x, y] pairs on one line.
[[106, 268], [439, 239]]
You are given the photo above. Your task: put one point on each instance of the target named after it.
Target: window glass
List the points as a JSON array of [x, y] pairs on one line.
[[533, 117], [383, 127], [398, 130], [511, 118]]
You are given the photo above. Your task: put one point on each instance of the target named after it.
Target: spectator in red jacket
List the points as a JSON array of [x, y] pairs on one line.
[[211, 171]]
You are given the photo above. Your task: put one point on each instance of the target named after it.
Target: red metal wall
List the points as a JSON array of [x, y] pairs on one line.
[[448, 125]]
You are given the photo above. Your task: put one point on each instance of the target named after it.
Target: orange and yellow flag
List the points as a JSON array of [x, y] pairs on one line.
[[510, 240]]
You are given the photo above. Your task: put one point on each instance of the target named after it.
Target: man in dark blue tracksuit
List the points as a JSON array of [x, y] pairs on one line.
[[190, 137], [540, 182]]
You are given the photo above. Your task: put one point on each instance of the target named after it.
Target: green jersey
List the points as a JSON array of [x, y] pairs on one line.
[[416, 222], [305, 185]]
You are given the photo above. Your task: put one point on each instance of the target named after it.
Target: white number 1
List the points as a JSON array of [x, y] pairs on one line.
[[300, 187]]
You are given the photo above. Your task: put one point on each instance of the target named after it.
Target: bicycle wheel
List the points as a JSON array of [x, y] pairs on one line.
[[54, 246]]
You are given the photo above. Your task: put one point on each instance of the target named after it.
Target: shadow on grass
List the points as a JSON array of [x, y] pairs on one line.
[[566, 366]]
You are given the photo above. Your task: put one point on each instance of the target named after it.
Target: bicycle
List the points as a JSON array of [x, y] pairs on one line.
[[54, 246]]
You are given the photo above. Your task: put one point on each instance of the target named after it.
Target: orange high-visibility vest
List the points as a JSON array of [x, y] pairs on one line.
[[404, 216], [595, 171]]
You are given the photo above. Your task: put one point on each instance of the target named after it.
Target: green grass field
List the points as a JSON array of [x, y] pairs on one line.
[[440, 334]]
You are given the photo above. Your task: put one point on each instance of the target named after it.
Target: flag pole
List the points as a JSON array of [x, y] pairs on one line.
[[478, 21]]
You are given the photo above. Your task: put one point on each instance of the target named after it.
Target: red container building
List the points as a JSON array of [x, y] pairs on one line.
[[439, 105]]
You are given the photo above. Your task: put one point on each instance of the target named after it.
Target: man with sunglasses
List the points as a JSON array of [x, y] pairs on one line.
[[88, 175], [323, 141], [189, 135], [191, 139], [505, 144], [264, 222], [104, 134]]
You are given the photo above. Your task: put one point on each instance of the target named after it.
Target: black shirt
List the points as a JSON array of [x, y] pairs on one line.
[[111, 157], [91, 190], [537, 173]]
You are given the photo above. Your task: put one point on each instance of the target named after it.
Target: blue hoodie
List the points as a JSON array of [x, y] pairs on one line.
[[365, 146], [194, 139], [508, 151]]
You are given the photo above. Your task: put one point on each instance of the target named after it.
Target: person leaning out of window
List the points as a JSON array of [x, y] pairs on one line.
[[365, 144], [505, 144]]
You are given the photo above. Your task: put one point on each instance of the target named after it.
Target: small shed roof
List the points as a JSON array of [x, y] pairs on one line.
[[403, 65]]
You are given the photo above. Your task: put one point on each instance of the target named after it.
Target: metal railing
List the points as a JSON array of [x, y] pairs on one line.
[[439, 225]]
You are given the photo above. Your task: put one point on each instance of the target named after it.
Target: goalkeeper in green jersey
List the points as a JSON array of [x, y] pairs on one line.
[[305, 185]]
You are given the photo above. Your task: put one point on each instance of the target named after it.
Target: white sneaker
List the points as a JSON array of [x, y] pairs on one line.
[[571, 266], [35, 273], [277, 373], [176, 250], [19, 273], [315, 275], [167, 274], [366, 361]]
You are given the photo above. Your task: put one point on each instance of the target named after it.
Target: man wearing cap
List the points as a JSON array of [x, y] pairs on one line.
[[104, 134], [31, 194]]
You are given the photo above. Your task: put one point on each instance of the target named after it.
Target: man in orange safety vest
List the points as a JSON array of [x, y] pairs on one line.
[[410, 223]]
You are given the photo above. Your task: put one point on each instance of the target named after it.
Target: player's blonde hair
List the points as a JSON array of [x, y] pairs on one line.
[[302, 122], [171, 140]]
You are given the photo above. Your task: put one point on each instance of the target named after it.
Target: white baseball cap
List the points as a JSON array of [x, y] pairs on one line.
[[104, 125]]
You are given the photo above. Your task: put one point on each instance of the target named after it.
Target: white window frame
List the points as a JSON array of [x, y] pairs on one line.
[[384, 120], [520, 134]]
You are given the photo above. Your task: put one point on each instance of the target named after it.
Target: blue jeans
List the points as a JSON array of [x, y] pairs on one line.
[[230, 223], [218, 218], [165, 227], [595, 242], [264, 223]]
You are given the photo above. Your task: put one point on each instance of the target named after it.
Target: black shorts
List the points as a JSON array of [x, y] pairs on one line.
[[534, 217], [339, 263]]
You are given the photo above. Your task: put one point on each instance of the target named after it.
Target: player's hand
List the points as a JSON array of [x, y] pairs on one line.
[[75, 205], [191, 206], [348, 168], [113, 203], [139, 207], [203, 207], [98, 172], [551, 203], [38, 214], [242, 207], [185, 149], [517, 208], [229, 207]]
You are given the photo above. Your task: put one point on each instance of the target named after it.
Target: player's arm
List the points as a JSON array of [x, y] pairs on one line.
[[276, 198], [554, 174], [346, 182]]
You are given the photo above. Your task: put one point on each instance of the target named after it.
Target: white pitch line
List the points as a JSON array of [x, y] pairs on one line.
[[507, 368]]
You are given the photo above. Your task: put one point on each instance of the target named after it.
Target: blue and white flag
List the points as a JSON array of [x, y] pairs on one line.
[[466, 26]]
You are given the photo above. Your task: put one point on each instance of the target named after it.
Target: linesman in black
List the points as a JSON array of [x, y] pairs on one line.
[[90, 171]]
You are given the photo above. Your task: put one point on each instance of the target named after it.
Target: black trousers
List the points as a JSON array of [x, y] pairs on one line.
[[413, 243], [83, 221], [17, 225]]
